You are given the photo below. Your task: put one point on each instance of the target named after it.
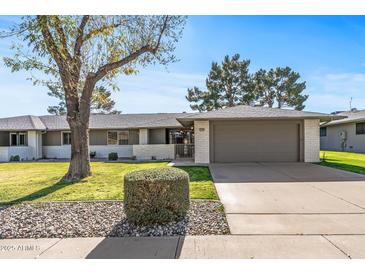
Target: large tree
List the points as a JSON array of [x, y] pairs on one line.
[[228, 84], [279, 87], [231, 84], [79, 52]]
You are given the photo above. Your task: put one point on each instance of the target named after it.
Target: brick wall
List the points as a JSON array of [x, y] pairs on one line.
[[311, 140], [201, 137], [160, 152]]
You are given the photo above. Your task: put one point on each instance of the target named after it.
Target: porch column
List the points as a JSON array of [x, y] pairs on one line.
[[201, 139], [34, 145], [311, 140], [143, 136]]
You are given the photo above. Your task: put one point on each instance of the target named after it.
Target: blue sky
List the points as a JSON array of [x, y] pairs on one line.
[[328, 52]]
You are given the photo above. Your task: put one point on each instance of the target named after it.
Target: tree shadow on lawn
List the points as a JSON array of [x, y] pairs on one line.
[[347, 167], [40, 193], [134, 162]]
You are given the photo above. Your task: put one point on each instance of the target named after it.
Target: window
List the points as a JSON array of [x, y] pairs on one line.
[[66, 138], [18, 138], [21, 139], [360, 128], [123, 137], [323, 131], [13, 139], [118, 137], [112, 137], [180, 136]]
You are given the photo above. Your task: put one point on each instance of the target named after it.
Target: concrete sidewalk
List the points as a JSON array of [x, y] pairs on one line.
[[224, 246]]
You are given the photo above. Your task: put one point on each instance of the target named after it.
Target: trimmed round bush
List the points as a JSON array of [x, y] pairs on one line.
[[157, 195]]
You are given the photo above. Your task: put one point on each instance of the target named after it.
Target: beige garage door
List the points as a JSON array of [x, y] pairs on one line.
[[255, 141]]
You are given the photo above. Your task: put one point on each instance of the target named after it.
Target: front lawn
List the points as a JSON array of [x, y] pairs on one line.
[[349, 161], [42, 182]]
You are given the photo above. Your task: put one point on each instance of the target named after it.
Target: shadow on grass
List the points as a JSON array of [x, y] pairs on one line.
[[40, 193], [343, 166], [134, 162]]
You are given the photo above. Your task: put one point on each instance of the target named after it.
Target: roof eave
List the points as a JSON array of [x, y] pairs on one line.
[[339, 122], [321, 118]]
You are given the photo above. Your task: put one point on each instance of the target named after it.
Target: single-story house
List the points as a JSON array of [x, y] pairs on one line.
[[235, 134], [346, 134]]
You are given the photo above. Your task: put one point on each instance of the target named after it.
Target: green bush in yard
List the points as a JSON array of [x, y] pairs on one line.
[[113, 156], [157, 195], [14, 158]]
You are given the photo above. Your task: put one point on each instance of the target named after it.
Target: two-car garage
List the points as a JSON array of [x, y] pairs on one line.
[[255, 141]]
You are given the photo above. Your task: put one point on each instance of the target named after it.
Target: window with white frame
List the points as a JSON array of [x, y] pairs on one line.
[[21, 139], [18, 138], [13, 139], [66, 138], [119, 137]]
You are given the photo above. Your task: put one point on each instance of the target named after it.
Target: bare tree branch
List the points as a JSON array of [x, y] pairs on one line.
[[49, 41], [102, 71], [61, 34], [80, 36], [164, 26]]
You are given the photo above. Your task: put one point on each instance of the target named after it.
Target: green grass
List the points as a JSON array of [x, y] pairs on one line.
[[42, 182], [349, 161]]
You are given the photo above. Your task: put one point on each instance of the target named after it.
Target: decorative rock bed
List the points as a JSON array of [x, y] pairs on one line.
[[102, 219]]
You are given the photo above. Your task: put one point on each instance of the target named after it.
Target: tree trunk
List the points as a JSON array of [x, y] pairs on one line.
[[80, 158]]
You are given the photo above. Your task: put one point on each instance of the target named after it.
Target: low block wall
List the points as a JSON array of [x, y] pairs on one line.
[[4, 154], [124, 151], [160, 152], [56, 152], [64, 152], [25, 153]]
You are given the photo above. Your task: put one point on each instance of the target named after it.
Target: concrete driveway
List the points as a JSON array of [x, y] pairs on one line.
[[294, 199]]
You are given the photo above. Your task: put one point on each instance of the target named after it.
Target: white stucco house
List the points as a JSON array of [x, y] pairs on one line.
[[236, 134]]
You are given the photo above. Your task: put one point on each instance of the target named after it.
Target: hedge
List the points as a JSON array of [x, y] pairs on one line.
[[157, 195]]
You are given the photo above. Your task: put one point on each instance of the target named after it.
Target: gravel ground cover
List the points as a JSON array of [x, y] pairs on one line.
[[102, 219]]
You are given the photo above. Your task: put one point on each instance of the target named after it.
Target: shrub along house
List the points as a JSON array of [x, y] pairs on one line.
[[236, 134]]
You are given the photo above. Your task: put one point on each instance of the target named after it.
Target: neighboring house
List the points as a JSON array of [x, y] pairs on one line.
[[346, 134], [236, 134]]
